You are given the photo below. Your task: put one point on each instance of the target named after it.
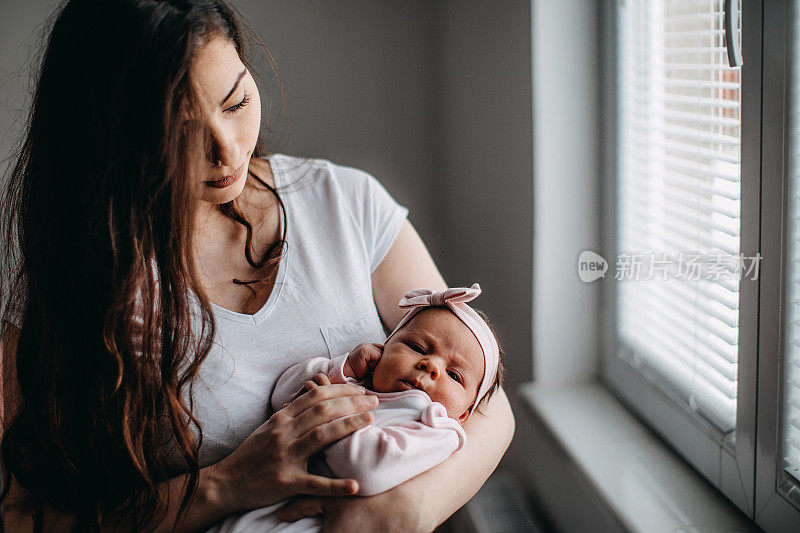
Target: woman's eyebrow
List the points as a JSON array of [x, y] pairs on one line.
[[233, 89]]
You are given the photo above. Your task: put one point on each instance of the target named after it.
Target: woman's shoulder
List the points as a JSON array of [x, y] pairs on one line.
[[299, 172]]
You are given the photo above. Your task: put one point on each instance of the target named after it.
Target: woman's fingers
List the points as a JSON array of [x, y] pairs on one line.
[[325, 486], [321, 379], [301, 508], [319, 394], [322, 435], [328, 410], [308, 385]]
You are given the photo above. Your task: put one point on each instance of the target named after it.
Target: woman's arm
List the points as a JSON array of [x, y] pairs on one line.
[[267, 467], [434, 495], [488, 437], [408, 265], [424, 502], [207, 508]]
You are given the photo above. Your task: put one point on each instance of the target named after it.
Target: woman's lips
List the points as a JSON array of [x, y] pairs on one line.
[[228, 180]]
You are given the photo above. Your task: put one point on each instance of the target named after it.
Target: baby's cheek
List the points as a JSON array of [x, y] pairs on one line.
[[379, 380], [451, 403], [465, 399]]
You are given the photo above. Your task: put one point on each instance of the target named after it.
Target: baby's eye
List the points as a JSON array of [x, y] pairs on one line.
[[454, 375], [416, 347]]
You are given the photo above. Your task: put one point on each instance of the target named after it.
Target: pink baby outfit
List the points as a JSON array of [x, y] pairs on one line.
[[409, 434]]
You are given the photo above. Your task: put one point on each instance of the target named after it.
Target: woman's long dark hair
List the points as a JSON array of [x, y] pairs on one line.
[[98, 219]]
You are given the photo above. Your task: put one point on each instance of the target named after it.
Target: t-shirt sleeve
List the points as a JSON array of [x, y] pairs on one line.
[[379, 215]]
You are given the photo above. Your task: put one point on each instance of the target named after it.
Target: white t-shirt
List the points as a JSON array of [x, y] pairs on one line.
[[341, 224]]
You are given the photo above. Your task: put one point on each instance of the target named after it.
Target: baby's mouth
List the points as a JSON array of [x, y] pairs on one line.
[[410, 384]]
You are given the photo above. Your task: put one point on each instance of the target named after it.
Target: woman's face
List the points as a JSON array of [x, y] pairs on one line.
[[231, 105]]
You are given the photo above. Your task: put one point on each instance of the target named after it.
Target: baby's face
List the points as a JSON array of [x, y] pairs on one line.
[[438, 354]]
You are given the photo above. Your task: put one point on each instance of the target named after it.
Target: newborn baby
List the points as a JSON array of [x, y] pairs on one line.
[[435, 368]]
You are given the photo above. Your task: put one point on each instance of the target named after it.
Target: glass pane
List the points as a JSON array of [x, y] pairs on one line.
[[791, 371], [678, 232]]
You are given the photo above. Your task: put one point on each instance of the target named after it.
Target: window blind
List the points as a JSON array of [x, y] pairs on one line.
[[678, 201], [791, 370]]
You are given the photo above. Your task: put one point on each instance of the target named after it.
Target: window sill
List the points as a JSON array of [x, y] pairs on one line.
[[591, 465]]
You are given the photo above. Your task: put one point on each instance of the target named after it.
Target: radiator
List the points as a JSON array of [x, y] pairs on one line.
[[498, 507]]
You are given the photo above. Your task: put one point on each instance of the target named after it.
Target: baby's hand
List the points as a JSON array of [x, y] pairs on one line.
[[362, 360], [317, 381]]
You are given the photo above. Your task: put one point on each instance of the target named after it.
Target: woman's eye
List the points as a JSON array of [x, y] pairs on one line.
[[239, 106], [454, 375]]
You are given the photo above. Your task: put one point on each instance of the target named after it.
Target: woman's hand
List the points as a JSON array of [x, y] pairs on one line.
[[362, 360], [271, 464], [318, 380], [392, 510], [425, 501]]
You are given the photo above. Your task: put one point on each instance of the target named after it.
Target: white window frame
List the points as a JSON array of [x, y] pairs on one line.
[[726, 461], [775, 508]]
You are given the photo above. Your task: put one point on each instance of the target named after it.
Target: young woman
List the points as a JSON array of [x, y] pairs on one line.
[[165, 270]]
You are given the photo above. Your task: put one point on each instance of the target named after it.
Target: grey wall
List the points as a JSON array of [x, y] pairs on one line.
[[21, 24], [359, 88], [484, 163], [432, 97]]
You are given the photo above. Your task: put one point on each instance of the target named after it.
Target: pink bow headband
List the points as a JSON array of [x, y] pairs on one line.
[[455, 299]]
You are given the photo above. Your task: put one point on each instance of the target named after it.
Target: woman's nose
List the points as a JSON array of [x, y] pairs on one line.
[[223, 148]]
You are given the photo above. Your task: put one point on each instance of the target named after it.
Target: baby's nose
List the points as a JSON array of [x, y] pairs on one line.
[[431, 366]]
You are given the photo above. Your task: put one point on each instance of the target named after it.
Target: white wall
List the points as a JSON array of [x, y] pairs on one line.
[[567, 183]]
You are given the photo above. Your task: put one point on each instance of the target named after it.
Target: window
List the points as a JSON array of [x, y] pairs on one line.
[[791, 377], [777, 493], [679, 202], [685, 216], [708, 163]]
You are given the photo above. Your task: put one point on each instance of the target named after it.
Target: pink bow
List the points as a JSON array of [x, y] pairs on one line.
[[429, 297]]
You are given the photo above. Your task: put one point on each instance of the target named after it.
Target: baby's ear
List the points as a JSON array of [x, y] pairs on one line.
[[464, 416]]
